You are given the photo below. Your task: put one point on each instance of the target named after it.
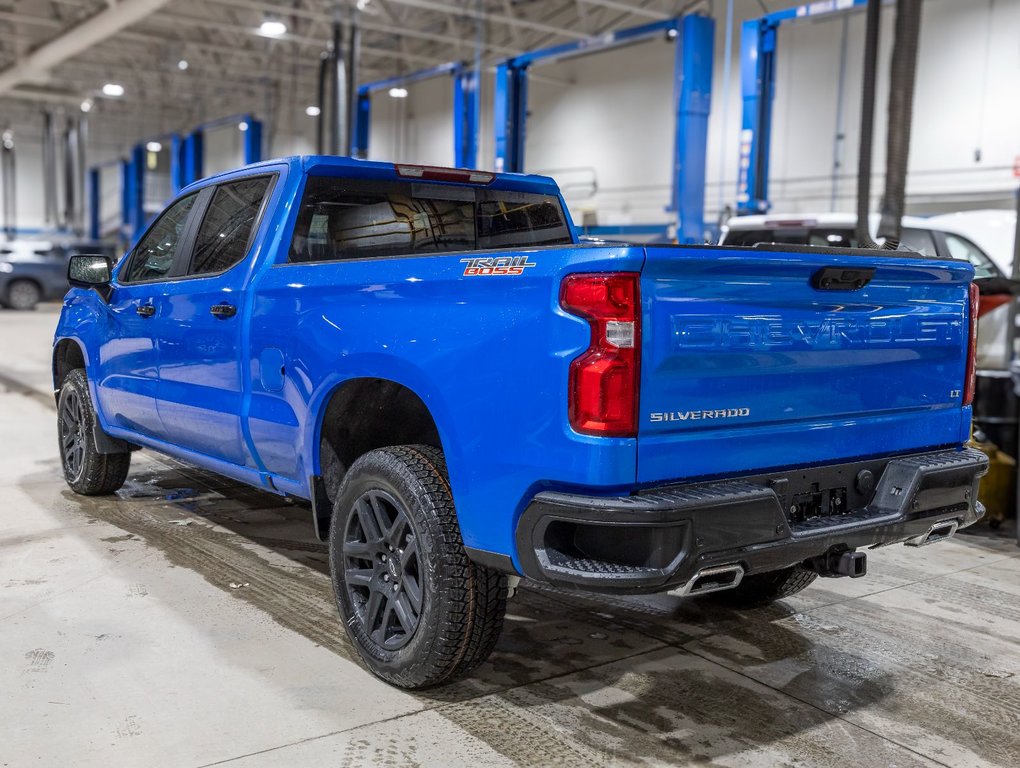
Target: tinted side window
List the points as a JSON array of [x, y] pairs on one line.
[[356, 218], [154, 255], [222, 239], [960, 248]]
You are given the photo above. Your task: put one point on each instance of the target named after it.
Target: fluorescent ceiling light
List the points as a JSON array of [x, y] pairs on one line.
[[398, 93], [272, 28], [113, 89], [312, 111], [154, 146]]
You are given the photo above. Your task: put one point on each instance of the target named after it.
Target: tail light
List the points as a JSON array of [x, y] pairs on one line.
[[971, 376], [603, 387]]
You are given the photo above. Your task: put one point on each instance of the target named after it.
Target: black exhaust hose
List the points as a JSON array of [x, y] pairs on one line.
[[321, 104], [873, 24], [902, 78]]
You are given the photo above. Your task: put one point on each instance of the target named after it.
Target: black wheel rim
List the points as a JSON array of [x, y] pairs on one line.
[[72, 433], [381, 569]]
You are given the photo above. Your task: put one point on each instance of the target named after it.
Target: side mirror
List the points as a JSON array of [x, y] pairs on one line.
[[85, 271]]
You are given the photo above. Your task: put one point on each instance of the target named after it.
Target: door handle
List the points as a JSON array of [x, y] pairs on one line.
[[145, 310], [223, 311]]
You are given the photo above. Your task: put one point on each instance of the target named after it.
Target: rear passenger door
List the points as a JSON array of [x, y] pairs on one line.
[[200, 365]]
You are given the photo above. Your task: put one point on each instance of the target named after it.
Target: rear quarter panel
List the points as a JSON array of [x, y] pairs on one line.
[[488, 354]]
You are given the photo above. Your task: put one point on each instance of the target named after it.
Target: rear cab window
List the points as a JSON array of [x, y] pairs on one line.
[[358, 218]]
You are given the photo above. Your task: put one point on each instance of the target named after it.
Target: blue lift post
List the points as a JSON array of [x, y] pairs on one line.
[[192, 151], [465, 99], [692, 99], [758, 46]]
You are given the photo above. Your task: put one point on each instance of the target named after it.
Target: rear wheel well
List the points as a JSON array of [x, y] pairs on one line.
[[365, 414], [66, 357]]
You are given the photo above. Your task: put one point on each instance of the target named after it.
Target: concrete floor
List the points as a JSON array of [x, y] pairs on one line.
[[188, 621]]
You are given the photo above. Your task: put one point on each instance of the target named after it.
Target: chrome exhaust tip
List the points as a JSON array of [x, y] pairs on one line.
[[938, 532], [712, 579]]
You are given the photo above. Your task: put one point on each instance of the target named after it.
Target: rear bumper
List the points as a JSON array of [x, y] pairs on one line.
[[661, 538]]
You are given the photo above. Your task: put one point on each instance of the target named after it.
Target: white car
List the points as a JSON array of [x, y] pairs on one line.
[[984, 238]]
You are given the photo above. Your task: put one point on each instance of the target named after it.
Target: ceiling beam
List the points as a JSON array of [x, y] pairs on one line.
[[78, 38], [498, 18]]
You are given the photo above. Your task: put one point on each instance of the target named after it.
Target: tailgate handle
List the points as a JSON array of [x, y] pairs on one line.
[[841, 279]]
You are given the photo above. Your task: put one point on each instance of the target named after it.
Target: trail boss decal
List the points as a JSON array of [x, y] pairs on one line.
[[500, 265], [718, 413]]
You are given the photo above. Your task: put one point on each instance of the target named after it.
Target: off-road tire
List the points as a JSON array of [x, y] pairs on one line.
[[86, 470], [764, 588], [22, 295], [462, 604]]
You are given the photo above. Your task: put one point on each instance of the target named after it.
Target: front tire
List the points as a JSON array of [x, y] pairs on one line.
[[418, 611], [764, 588], [86, 470]]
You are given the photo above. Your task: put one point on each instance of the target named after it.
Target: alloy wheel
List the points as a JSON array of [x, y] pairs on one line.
[[381, 569], [72, 433]]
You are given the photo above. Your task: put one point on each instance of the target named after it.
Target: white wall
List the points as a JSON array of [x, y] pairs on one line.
[[603, 124]]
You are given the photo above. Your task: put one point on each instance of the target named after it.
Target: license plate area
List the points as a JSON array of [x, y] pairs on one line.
[[817, 503]]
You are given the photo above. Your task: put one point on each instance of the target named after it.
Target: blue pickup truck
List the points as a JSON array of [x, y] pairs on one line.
[[467, 395]]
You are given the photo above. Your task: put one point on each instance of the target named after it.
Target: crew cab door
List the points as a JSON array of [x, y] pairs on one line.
[[201, 370], [127, 380]]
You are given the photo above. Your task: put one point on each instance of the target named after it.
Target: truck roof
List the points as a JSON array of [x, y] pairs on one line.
[[331, 164]]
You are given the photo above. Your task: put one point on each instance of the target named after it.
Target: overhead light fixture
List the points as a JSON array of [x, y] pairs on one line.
[[86, 106], [8, 139], [113, 89], [363, 4], [243, 125], [272, 27], [398, 93], [182, 64], [154, 146], [313, 111]]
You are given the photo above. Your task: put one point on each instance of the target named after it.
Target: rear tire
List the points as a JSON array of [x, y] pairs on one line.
[[417, 609], [86, 470], [764, 588], [23, 295]]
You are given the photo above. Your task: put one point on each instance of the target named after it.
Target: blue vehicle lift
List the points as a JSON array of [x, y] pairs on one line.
[[186, 163], [691, 99], [188, 158], [758, 47], [465, 109]]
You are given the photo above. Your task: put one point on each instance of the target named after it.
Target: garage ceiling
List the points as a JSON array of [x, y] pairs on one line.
[[63, 51]]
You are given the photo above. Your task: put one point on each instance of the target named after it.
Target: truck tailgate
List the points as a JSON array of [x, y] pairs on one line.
[[748, 365]]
